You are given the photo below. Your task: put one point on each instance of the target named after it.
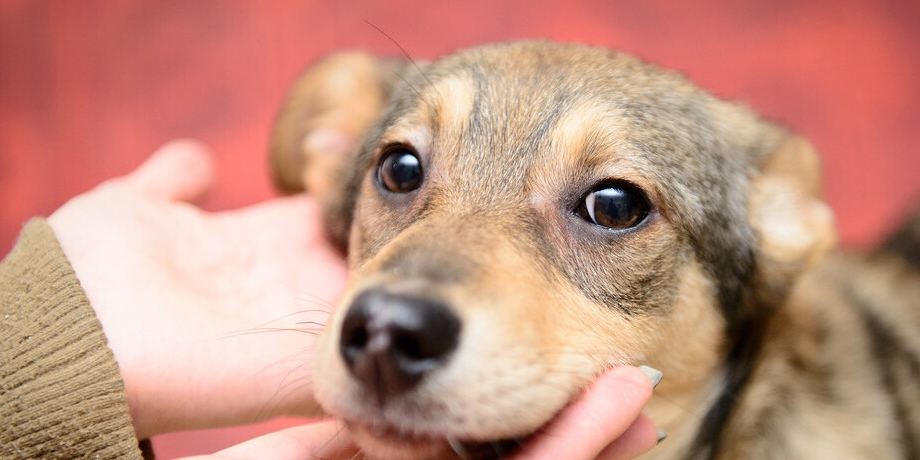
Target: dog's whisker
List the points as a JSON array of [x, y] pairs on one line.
[[288, 387], [264, 330], [266, 327], [313, 323], [408, 57], [458, 448], [309, 299], [339, 432]]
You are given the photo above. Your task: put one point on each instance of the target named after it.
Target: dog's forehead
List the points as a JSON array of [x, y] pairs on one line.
[[531, 109]]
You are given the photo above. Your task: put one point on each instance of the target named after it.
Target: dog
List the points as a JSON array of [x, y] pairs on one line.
[[520, 217]]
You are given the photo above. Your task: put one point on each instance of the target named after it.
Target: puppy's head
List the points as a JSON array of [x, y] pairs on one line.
[[519, 218]]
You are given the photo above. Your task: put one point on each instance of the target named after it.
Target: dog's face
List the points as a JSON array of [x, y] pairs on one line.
[[521, 217]]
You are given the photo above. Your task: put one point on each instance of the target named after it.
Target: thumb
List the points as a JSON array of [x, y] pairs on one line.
[[605, 412], [181, 170]]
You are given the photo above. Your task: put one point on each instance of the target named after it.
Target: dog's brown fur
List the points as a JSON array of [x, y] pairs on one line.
[[769, 348]]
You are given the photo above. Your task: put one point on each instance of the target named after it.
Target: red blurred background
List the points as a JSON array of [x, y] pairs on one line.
[[89, 89]]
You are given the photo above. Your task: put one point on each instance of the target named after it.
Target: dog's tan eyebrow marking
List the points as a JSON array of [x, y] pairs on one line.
[[443, 107], [408, 131], [589, 133], [587, 139], [449, 102]]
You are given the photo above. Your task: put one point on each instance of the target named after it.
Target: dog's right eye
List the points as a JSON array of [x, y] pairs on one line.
[[400, 171], [616, 205]]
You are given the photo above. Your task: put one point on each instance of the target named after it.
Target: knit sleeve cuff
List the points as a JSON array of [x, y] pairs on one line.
[[61, 394]]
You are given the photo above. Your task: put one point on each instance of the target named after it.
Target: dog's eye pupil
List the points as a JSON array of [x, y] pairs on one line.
[[616, 206], [400, 171]]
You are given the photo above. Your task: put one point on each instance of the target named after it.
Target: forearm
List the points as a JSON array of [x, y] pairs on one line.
[[61, 393]]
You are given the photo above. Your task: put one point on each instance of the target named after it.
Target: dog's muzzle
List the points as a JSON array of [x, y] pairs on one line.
[[390, 342]]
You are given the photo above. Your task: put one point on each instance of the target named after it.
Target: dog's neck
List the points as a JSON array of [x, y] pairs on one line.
[[704, 370]]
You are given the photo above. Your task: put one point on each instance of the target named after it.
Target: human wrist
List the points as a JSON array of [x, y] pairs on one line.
[[60, 380]]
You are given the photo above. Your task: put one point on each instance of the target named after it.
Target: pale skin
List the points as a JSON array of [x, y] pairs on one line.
[[212, 316]]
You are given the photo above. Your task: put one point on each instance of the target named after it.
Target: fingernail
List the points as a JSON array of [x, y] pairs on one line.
[[654, 374], [661, 436]]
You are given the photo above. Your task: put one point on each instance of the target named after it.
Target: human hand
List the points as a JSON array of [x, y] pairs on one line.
[[605, 423], [210, 315]]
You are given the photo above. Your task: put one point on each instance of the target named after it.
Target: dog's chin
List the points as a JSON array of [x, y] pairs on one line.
[[380, 443], [388, 443]]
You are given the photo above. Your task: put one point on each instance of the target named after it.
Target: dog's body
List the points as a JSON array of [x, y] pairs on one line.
[[521, 217]]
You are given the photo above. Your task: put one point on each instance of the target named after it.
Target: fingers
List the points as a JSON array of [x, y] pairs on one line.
[[328, 440], [641, 436], [609, 410], [277, 214], [181, 170], [290, 224]]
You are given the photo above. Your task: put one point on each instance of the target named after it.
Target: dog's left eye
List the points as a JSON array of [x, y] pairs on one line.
[[616, 205], [400, 171]]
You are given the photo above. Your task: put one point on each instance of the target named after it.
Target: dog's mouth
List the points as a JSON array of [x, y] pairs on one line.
[[392, 443]]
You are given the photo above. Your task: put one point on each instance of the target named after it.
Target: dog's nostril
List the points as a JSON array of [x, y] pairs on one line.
[[411, 346], [390, 342], [429, 342], [354, 337]]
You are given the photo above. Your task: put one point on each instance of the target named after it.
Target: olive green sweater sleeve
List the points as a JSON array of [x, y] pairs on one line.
[[61, 395]]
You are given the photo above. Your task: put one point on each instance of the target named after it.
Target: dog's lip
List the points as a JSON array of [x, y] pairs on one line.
[[419, 445], [388, 441], [391, 433]]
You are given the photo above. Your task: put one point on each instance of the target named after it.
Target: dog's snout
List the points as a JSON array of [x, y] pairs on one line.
[[390, 342]]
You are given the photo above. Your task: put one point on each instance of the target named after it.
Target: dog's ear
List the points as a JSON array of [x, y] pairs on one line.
[[793, 227], [324, 115], [322, 121]]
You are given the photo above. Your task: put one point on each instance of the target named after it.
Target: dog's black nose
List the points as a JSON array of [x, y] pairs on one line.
[[390, 342]]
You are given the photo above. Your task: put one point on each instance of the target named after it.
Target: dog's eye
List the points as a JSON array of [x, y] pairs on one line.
[[615, 205], [400, 171]]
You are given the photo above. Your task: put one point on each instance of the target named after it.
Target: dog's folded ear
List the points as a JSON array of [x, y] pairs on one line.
[[323, 119], [324, 115], [793, 227]]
